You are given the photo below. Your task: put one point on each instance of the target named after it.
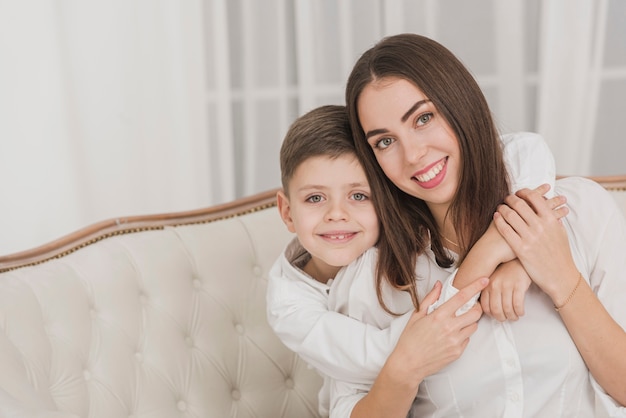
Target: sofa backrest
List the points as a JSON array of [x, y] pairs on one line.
[[160, 316], [151, 320]]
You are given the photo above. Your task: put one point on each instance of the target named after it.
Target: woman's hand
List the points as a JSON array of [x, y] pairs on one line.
[[427, 344], [430, 342], [492, 243], [528, 224]]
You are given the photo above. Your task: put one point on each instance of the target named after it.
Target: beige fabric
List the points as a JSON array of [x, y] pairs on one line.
[[158, 324], [161, 324]]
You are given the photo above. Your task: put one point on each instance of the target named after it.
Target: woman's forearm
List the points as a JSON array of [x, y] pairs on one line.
[[427, 344], [599, 339], [392, 394]]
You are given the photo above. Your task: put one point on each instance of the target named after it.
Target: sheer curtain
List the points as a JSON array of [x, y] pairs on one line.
[[126, 107], [102, 114]]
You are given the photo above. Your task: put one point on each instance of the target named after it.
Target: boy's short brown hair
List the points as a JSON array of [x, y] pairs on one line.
[[323, 131]]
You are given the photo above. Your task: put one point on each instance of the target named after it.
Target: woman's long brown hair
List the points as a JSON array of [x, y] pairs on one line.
[[408, 227]]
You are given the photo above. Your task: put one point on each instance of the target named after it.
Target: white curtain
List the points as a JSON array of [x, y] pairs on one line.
[[124, 107], [102, 114], [568, 79]]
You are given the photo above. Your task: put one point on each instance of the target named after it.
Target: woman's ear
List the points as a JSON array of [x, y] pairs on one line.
[[282, 201]]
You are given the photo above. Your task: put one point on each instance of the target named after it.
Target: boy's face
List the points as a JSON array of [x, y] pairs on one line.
[[330, 210]]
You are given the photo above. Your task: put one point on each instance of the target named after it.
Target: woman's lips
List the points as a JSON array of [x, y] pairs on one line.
[[433, 175]]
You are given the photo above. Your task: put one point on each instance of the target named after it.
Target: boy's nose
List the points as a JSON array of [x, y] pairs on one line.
[[336, 211]]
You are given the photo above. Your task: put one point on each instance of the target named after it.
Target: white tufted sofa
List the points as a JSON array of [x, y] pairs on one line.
[[155, 317]]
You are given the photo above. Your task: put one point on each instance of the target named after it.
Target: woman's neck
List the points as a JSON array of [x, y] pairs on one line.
[[446, 228]]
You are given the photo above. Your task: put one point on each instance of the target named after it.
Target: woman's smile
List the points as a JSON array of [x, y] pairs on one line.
[[433, 175], [412, 141]]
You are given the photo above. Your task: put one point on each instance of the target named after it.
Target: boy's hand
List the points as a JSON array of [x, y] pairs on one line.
[[503, 298]]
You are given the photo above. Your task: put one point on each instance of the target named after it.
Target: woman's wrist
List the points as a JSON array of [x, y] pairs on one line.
[[397, 371], [564, 293]]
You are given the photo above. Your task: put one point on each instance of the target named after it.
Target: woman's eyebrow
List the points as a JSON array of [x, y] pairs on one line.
[[404, 118], [413, 109], [375, 132]]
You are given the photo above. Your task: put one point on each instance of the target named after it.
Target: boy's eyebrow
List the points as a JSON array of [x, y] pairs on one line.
[[404, 118], [359, 184], [308, 187]]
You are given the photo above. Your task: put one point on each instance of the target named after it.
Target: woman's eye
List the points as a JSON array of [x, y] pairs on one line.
[[383, 143], [424, 118], [359, 197], [314, 199]]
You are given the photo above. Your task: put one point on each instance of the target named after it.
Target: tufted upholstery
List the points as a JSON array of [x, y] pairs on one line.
[[158, 317], [159, 323]]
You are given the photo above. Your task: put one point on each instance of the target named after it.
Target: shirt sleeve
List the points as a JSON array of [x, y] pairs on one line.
[[344, 397], [338, 346], [447, 291], [528, 160]]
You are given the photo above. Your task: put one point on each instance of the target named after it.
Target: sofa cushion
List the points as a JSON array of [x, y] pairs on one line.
[[161, 323]]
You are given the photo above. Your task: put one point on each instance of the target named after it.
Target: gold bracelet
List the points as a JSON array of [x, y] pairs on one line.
[[571, 295]]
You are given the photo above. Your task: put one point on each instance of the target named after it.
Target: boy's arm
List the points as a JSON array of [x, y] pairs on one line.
[[338, 346]]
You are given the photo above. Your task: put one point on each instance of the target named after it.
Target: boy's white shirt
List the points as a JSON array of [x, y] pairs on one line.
[[309, 320]]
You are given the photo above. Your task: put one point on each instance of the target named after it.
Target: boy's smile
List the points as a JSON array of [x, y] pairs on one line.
[[330, 210]]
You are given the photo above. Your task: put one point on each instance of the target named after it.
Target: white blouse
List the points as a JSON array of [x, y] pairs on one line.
[[353, 351], [527, 368]]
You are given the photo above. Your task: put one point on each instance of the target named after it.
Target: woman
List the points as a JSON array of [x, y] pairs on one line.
[[427, 141]]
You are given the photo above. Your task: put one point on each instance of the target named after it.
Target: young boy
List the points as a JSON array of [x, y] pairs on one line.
[[325, 201]]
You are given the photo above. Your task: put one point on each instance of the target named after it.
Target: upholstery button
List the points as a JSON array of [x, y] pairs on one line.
[[93, 313], [139, 357], [143, 298], [197, 284], [289, 383], [239, 329], [189, 341], [87, 375], [257, 271], [181, 405], [236, 394]]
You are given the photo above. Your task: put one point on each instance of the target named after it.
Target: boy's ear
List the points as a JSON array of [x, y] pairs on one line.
[[282, 201]]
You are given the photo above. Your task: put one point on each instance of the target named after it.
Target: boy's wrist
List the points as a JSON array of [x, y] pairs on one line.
[[481, 261]]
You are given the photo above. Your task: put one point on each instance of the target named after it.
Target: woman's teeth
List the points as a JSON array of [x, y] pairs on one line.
[[430, 174]]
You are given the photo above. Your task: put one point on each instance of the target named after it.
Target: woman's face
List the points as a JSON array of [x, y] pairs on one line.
[[414, 145]]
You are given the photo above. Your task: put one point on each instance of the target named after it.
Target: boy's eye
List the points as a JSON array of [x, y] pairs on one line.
[[314, 199], [359, 197]]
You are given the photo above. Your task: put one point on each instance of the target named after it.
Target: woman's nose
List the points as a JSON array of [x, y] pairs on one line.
[[414, 150]]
